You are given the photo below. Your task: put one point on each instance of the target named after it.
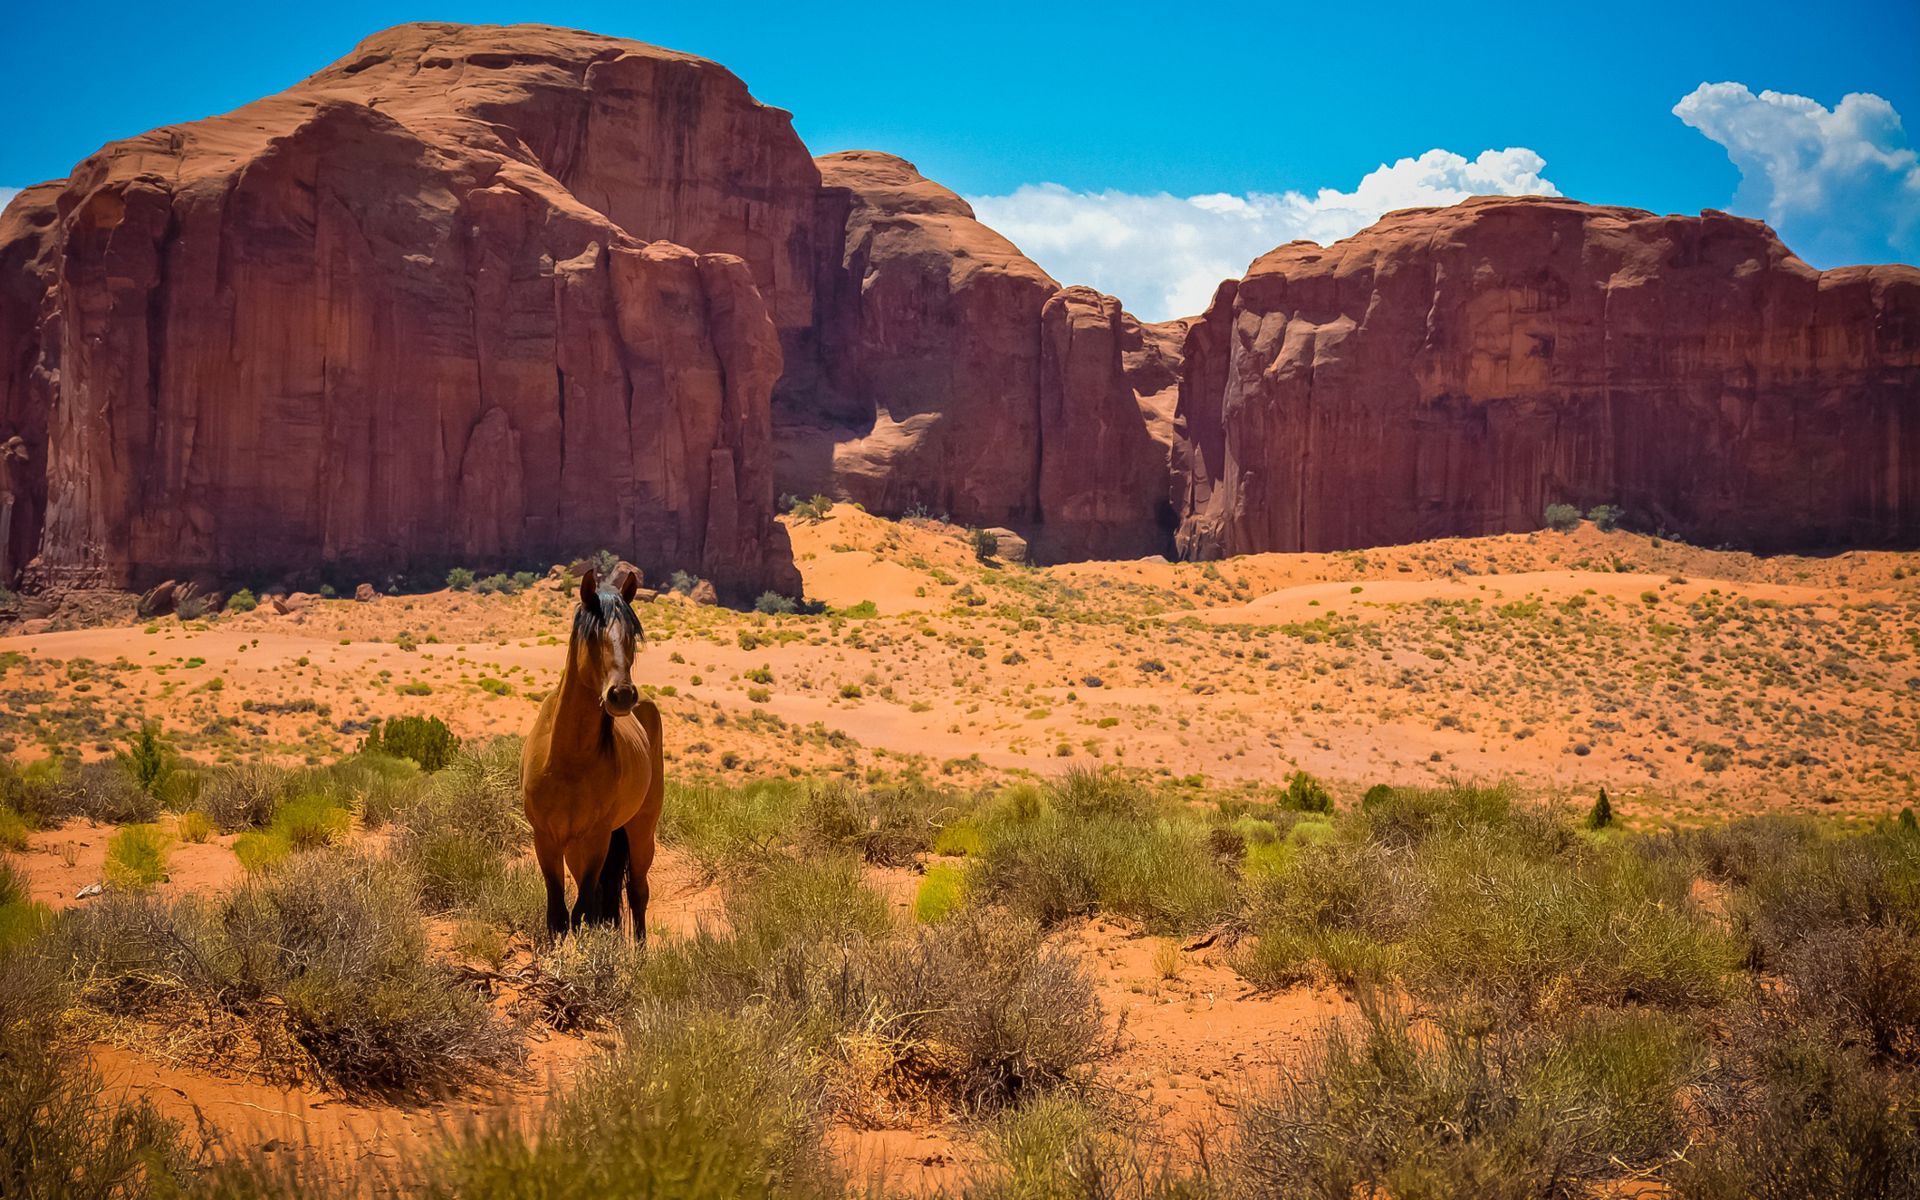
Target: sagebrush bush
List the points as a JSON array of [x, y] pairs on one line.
[[326, 954], [697, 1106], [593, 979], [986, 1007], [465, 826], [244, 797], [62, 1136], [1457, 1106]]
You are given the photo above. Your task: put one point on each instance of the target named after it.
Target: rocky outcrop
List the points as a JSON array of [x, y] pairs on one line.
[[948, 373], [1454, 371], [471, 295]]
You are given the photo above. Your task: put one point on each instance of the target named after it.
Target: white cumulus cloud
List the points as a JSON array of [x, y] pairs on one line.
[[1163, 255], [1839, 185]]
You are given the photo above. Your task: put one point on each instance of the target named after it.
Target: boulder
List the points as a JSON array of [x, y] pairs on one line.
[[158, 600], [703, 593], [1008, 545], [365, 593]]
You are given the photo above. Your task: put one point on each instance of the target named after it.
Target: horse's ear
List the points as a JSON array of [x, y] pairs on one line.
[[629, 584], [590, 590]]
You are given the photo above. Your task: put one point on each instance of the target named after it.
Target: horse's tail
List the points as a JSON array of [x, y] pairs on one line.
[[613, 874]]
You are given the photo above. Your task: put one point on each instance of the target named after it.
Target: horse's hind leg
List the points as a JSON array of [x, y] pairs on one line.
[[553, 872], [613, 876]]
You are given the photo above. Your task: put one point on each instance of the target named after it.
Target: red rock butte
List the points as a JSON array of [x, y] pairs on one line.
[[495, 296]]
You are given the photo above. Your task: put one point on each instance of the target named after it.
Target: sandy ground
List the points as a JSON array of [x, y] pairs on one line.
[[1689, 682]]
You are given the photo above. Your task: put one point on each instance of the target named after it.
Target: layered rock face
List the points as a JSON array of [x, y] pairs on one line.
[[948, 372], [471, 295], [496, 296], [1453, 371]]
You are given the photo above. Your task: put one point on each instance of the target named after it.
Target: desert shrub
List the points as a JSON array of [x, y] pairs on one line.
[[97, 791], [460, 579], [32, 791], [985, 1007], [790, 933], [590, 980], [1601, 814], [61, 1135], [242, 601], [1802, 1114], [1562, 517], [242, 797], [193, 827], [148, 759], [1304, 793], [774, 603], [891, 825], [324, 961], [137, 857], [21, 918], [703, 1106], [986, 544], [465, 826], [1094, 842], [727, 829], [13, 829], [1606, 517], [1457, 890], [942, 891], [425, 740], [1459, 1107], [1060, 1145]]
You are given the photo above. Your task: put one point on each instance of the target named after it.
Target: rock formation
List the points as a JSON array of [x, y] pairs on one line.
[[471, 295], [1454, 371], [947, 372], [497, 297]]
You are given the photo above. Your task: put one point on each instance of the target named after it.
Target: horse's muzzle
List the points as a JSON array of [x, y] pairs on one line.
[[620, 699]]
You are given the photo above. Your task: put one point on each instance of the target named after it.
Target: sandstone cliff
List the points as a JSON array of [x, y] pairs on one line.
[[948, 372], [473, 295], [1453, 371]]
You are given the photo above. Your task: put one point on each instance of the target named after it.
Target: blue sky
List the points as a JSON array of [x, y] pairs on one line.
[[1130, 111]]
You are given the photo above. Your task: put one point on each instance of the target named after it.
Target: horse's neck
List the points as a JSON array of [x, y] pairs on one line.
[[580, 725]]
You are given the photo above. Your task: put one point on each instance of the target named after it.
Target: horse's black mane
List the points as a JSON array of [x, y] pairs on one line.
[[590, 621]]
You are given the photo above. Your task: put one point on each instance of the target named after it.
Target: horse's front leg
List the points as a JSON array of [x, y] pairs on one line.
[[553, 872], [640, 848], [585, 858]]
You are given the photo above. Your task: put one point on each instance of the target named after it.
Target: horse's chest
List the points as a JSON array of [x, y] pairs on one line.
[[597, 794]]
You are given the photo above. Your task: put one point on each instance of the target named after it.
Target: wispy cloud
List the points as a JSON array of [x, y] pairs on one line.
[[1840, 185], [1163, 255], [7, 194]]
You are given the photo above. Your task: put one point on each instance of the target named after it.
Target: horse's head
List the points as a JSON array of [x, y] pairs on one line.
[[606, 634]]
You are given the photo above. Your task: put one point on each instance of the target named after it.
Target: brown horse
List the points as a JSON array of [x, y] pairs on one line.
[[592, 773]]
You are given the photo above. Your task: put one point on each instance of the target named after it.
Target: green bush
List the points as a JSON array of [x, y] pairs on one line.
[[425, 740], [986, 544], [1606, 517], [1561, 518], [460, 579], [137, 857], [242, 601], [941, 892], [1306, 794], [465, 826], [147, 759], [1601, 814], [773, 603]]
